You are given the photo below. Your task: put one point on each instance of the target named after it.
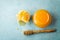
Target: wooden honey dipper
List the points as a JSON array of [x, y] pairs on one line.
[[30, 32]]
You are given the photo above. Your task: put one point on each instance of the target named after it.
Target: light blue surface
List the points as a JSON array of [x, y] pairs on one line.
[[8, 22]]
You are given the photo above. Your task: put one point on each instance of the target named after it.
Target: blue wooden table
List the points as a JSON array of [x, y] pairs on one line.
[[9, 24]]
